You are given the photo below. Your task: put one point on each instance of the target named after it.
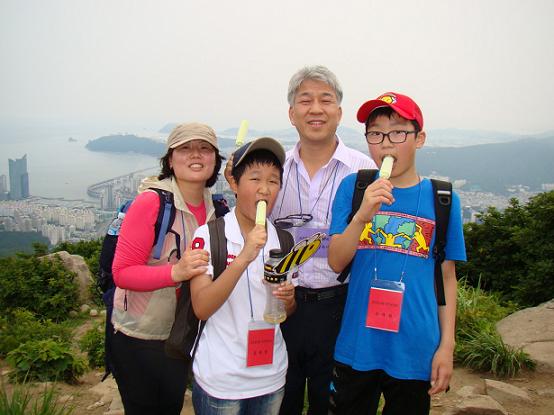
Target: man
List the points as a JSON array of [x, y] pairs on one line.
[[313, 171]]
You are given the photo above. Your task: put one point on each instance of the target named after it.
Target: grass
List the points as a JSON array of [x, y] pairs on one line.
[[478, 344], [21, 402]]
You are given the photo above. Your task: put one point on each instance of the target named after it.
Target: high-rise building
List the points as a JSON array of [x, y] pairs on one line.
[[19, 178], [3, 187]]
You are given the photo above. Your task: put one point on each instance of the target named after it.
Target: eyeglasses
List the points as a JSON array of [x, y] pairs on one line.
[[293, 221], [395, 136]]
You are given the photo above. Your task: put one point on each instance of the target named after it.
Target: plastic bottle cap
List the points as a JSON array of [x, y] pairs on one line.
[[276, 253]]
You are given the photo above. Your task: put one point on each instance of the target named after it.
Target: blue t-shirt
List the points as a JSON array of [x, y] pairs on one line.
[[398, 241]]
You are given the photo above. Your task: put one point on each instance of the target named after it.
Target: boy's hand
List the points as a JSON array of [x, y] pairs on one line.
[[193, 262], [441, 370], [255, 240], [378, 192]]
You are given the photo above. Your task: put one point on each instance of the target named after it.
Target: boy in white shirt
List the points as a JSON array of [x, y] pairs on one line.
[[229, 376]]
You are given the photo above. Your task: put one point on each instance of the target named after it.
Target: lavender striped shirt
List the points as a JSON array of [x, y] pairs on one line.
[[302, 195]]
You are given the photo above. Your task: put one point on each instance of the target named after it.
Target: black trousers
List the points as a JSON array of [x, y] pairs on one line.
[[149, 382], [357, 392], [310, 334]]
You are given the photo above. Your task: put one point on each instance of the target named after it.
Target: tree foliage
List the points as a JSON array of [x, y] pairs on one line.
[[512, 252]]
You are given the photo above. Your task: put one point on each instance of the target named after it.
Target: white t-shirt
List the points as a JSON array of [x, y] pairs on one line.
[[220, 363]]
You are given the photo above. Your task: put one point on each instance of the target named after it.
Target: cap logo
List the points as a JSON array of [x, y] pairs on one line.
[[388, 98]]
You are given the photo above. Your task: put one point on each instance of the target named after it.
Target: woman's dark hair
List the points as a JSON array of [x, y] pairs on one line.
[[388, 112], [262, 156], [168, 172]]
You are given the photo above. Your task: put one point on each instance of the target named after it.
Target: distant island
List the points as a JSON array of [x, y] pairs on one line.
[[71, 140], [127, 143]]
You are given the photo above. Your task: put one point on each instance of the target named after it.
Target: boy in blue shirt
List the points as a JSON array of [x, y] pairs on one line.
[[394, 338]]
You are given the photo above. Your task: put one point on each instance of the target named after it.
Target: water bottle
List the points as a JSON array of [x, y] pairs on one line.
[[274, 312], [114, 227]]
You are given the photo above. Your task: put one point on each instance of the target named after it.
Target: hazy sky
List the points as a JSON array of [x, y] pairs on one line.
[[476, 64]]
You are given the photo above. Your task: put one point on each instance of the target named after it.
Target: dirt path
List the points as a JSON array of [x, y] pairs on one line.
[[540, 387]]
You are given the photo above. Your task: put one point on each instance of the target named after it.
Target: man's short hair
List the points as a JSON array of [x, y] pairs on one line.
[[313, 73]]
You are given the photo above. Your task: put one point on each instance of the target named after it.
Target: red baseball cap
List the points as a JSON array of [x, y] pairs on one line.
[[401, 104]]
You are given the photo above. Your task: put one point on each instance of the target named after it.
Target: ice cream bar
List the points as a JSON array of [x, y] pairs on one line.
[[386, 167], [241, 133], [261, 212]]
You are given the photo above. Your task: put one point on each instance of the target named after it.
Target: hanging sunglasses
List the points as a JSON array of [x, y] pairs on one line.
[[293, 221]]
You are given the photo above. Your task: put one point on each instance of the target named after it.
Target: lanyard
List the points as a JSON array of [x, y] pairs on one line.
[[403, 269], [249, 289], [333, 174]]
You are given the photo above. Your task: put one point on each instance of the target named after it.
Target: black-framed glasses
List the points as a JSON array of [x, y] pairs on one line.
[[293, 221], [395, 136]]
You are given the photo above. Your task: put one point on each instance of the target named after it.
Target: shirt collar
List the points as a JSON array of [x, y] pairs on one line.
[[341, 153]]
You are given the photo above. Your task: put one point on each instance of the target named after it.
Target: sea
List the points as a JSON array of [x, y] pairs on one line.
[[59, 164]]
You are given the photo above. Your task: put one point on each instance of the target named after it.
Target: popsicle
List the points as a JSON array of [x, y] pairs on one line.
[[261, 208], [386, 167], [243, 129]]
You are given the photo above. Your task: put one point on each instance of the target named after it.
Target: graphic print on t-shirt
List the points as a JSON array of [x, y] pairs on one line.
[[398, 232]]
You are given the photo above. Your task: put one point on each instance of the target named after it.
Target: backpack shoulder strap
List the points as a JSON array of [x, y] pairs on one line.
[[286, 241], [218, 245], [218, 248], [363, 179], [164, 221], [442, 194]]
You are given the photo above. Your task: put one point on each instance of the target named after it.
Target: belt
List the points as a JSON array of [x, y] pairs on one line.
[[311, 295]]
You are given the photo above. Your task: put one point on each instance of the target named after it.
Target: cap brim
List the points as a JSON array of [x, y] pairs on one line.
[[370, 106], [263, 143]]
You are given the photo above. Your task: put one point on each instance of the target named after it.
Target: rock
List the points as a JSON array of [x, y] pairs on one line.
[[505, 393], [95, 405], [77, 264], [93, 313], [466, 391], [73, 314], [549, 393], [479, 405], [103, 313], [533, 330], [85, 308]]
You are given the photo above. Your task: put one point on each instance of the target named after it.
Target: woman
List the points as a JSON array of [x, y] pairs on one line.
[[144, 304]]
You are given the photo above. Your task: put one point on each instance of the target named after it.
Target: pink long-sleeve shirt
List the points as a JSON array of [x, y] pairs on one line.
[[134, 246]]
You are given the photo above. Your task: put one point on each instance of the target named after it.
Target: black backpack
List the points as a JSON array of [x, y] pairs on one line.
[[104, 277], [442, 192], [187, 329]]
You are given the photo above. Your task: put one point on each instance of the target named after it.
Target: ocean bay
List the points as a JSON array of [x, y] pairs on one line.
[[60, 167]]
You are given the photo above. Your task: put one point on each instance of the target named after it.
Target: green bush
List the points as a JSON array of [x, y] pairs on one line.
[[45, 360], [20, 402], [478, 345], [512, 252], [41, 286], [20, 326], [93, 344]]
